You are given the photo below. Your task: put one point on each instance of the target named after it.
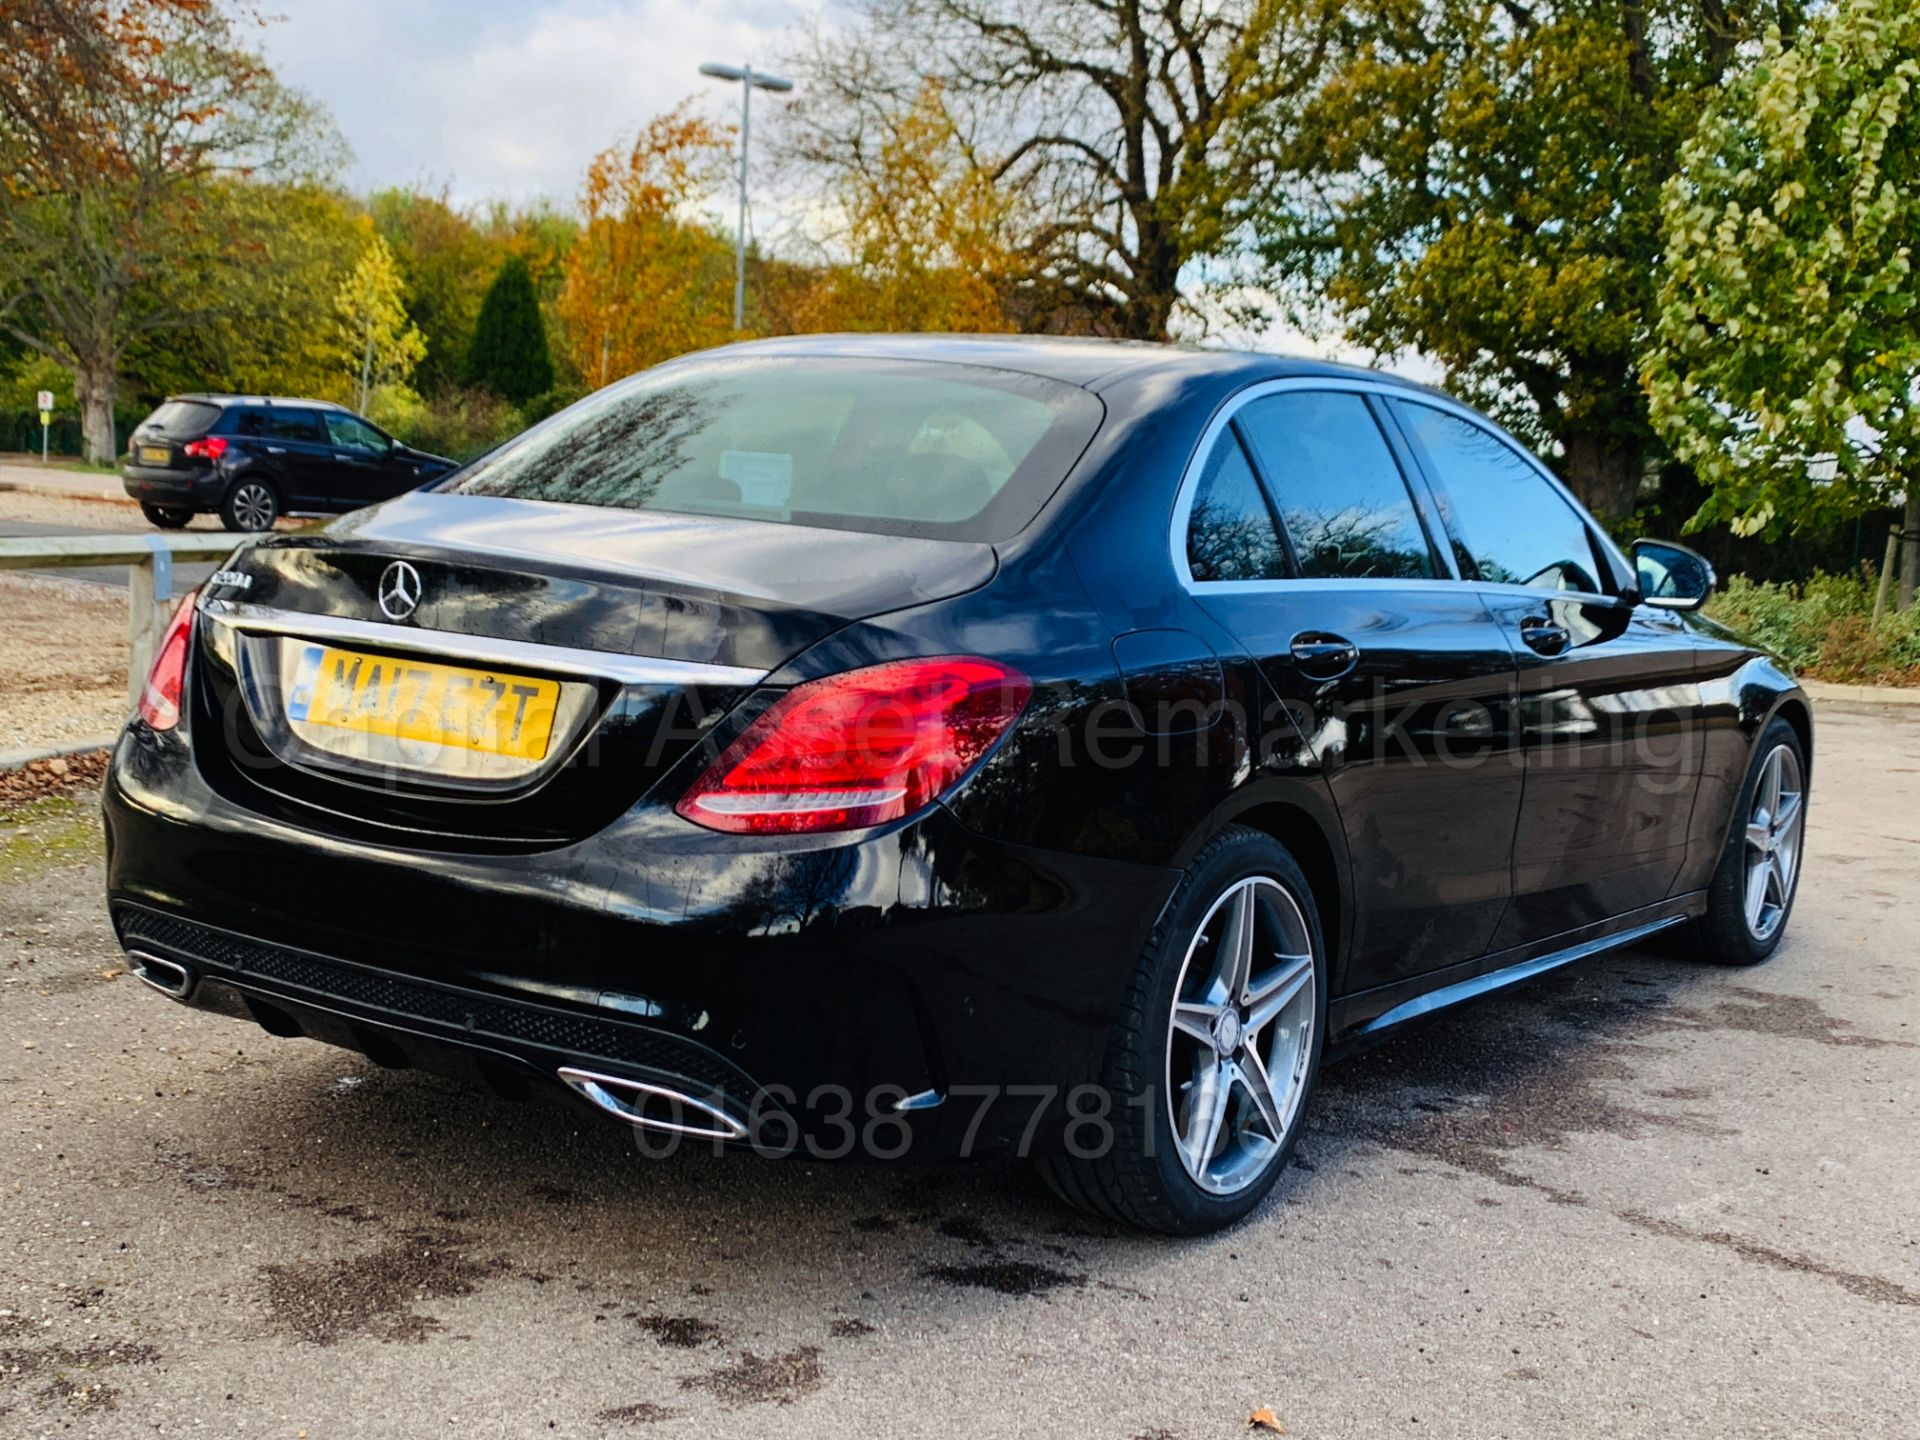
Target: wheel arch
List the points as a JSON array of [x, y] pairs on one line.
[[1795, 710], [1319, 847], [263, 474]]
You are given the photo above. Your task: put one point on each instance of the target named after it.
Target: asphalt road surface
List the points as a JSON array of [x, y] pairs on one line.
[[1639, 1198], [185, 576]]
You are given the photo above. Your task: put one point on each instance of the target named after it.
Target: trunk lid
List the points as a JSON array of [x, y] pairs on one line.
[[640, 630]]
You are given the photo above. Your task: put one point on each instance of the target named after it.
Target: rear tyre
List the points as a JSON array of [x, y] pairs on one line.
[[250, 505], [1751, 897], [1215, 1052], [165, 516]]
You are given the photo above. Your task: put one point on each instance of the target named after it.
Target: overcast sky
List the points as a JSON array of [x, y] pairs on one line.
[[510, 100]]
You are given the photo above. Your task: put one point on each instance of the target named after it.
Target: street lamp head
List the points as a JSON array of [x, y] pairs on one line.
[[753, 77]]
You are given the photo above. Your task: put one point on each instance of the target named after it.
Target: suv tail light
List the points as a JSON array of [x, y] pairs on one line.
[[858, 749], [207, 447], [160, 700]]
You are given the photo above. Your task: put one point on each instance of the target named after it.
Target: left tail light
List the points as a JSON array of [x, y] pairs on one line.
[[858, 749], [209, 447], [160, 700]]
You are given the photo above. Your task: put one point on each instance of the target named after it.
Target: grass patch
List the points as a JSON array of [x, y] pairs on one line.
[[1824, 628], [49, 834]]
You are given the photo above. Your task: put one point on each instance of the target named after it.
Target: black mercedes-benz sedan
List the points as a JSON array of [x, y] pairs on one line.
[[934, 747]]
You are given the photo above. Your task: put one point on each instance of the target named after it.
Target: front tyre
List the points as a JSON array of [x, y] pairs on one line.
[[1216, 1048], [1751, 896], [251, 505]]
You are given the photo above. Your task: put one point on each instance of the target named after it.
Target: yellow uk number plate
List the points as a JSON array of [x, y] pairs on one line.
[[155, 454], [421, 700]]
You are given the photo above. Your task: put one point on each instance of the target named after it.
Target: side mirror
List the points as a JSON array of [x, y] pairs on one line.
[[1671, 577]]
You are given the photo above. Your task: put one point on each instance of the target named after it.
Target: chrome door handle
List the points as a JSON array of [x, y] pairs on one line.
[[276, 449], [1320, 656], [1542, 635]]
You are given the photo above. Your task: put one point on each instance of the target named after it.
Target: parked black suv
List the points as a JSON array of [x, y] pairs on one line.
[[255, 458]]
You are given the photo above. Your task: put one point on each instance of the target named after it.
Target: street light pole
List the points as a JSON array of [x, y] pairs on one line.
[[750, 80]]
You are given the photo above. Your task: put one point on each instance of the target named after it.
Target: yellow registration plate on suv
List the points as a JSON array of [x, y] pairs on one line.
[[155, 455], [423, 700]]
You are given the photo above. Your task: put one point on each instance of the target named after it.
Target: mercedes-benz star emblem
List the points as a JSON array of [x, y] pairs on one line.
[[399, 590]]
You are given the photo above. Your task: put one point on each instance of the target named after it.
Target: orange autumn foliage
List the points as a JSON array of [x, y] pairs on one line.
[[647, 280]]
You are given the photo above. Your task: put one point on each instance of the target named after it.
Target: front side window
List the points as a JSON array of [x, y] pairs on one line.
[[1231, 535], [1509, 521], [349, 432], [889, 447], [1341, 495]]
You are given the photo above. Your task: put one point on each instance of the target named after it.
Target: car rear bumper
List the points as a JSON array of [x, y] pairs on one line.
[[888, 991], [195, 490]]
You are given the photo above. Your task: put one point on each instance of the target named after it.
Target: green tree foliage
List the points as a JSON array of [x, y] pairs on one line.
[[509, 351], [1479, 180], [1788, 335], [377, 347], [445, 262], [285, 250]]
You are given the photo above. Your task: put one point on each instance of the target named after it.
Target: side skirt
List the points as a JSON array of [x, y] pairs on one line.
[[1357, 1020]]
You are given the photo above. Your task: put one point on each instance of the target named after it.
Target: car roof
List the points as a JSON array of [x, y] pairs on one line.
[[1076, 360], [202, 397]]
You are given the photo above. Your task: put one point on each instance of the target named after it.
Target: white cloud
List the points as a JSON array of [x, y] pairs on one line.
[[511, 102]]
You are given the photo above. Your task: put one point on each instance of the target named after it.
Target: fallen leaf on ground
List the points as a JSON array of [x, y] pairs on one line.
[[1265, 1419]]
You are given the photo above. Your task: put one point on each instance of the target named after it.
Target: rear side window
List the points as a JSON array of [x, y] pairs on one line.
[[302, 425], [895, 447], [1231, 534], [1513, 526], [183, 418], [1341, 495]]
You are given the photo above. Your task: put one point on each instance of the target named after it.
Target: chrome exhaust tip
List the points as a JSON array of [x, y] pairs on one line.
[[169, 977], [655, 1107]]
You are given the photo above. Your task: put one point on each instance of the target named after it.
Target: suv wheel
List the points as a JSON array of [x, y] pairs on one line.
[[251, 504], [1214, 1057], [1751, 896], [165, 516]]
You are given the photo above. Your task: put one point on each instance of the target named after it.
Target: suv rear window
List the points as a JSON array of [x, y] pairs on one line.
[[891, 447], [182, 417]]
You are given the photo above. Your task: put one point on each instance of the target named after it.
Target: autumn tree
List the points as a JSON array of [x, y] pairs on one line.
[[379, 347], [114, 116], [1789, 333], [1115, 134], [276, 255], [1479, 180], [509, 352], [648, 279], [926, 232]]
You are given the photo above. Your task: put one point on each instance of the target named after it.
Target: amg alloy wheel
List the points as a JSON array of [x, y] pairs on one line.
[[1213, 1058], [1240, 1035], [1751, 896], [1774, 823]]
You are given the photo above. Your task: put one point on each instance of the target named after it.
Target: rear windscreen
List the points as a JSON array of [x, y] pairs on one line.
[[182, 417], [892, 447]]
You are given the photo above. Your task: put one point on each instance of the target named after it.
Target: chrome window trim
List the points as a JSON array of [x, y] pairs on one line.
[[483, 649], [1353, 385]]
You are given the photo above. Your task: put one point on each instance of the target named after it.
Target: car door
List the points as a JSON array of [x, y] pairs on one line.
[[1306, 542], [1606, 701], [297, 445], [363, 469]]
